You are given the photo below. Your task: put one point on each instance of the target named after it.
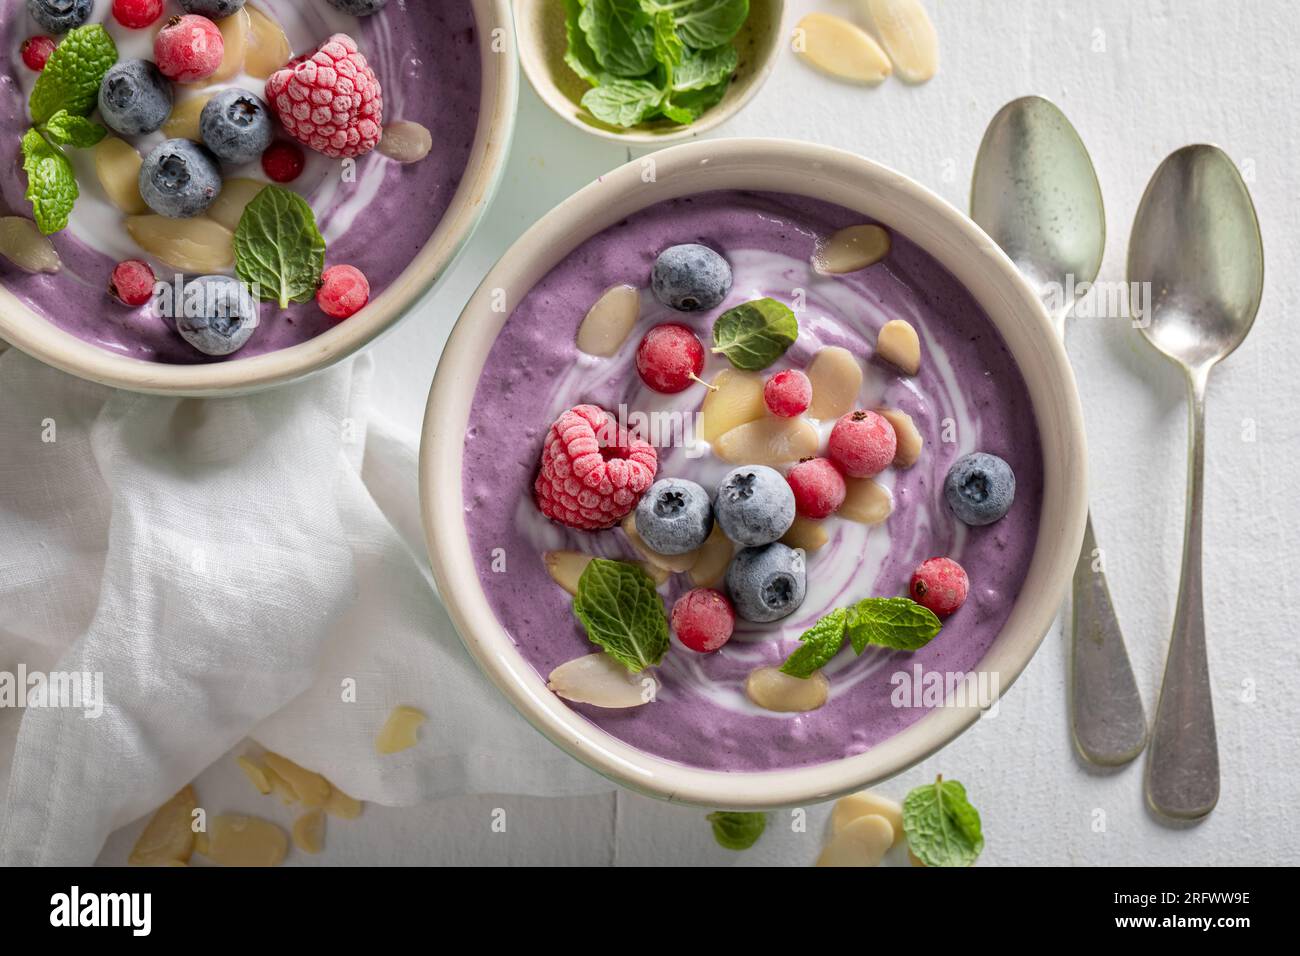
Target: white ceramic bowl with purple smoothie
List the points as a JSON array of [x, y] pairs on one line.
[[398, 213], [592, 598]]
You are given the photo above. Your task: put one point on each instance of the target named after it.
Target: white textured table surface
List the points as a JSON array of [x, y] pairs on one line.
[[1138, 78]]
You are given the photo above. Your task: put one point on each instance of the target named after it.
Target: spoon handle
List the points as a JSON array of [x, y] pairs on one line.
[[1106, 715], [1183, 767]]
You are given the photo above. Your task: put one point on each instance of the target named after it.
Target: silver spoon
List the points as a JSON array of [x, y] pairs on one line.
[[1036, 193], [1196, 242]]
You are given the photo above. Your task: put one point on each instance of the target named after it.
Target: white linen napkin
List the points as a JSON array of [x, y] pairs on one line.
[[231, 567]]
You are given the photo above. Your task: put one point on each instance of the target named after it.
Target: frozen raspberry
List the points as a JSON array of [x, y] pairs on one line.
[[330, 101], [670, 358], [862, 443], [788, 394], [592, 472], [132, 283], [343, 291], [137, 14], [818, 487], [36, 52], [283, 162], [703, 620], [939, 584], [189, 49]]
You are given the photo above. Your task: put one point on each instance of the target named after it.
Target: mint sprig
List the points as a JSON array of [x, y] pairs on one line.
[[278, 248], [71, 78], [737, 831], [941, 825], [65, 129], [897, 623], [622, 612], [51, 183], [818, 645], [755, 334]]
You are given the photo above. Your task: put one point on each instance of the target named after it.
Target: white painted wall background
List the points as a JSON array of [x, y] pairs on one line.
[[1138, 78]]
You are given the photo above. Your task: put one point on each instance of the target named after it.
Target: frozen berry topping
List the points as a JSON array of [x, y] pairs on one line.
[[788, 394], [283, 162], [670, 358], [36, 52], [137, 14], [862, 444], [132, 283], [939, 584], [330, 101], [818, 487], [343, 291], [189, 49], [703, 619]]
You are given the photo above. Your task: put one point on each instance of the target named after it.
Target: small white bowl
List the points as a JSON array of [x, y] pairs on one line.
[[790, 167], [542, 42], [37, 336]]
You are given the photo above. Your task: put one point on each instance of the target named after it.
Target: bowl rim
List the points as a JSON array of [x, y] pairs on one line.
[[539, 78], [32, 333], [808, 169]]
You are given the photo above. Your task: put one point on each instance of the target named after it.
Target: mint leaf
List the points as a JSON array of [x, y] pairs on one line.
[[620, 35], [64, 129], [669, 48], [942, 827], [756, 334], [737, 831], [704, 23], [622, 102], [71, 78], [701, 68], [896, 622], [278, 247], [687, 107], [622, 612], [820, 643], [578, 53], [51, 183]]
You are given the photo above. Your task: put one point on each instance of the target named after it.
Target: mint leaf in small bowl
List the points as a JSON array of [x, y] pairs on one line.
[[898, 622], [622, 612], [755, 334], [737, 831], [942, 827], [278, 248]]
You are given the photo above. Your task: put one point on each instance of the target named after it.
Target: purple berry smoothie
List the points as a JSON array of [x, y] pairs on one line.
[[426, 56], [968, 396]]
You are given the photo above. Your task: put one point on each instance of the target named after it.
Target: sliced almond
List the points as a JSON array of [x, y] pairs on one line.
[[256, 775], [401, 730], [657, 574], [900, 346], [341, 805], [406, 142], [246, 841], [855, 805], [865, 501], [311, 788], [768, 441], [609, 321], [190, 245], [22, 243], [807, 533], [601, 681], [168, 837], [772, 690], [736, 398], [235, 196], [201, 843], [715, 555], [309, 831], [909, 438], [841, 49], [184, 121], [234, 33], [268, 47], [676, 563], [117, 165], [281, 787], [908, 36], [565, 567], [851, 249], [836, 380], [863, 842]]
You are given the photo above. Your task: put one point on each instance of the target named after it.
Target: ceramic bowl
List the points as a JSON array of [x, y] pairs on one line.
[[36, 335], [789, 167], [542, 43]]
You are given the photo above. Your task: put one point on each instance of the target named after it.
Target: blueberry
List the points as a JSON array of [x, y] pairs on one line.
[[674, 516], [179, 179], [59, 16], [767, 583], [236, 126], [213, 9], [217, 316], [135, 98], [690, 278], [754, 505], [980, 488], [360, 8]]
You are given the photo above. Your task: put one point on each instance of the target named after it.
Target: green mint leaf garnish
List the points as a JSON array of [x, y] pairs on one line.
[[65, 129], [578, 53], [622, 612], [622, 102], [71, 78], [704, 23], [898, 622], [620, 35], [819, 644], [278, 247], [701, 68], [737, 831], [51, 183], [755, 334], [942, 827]]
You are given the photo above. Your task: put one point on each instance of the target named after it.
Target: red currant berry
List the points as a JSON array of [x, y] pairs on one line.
[[939, 584], [818, 487], [36, 52], [670, 358], [283, 162], [137, 14], [862, 443], [132, 283], [343, 292], [703, 619], [788, 394]]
